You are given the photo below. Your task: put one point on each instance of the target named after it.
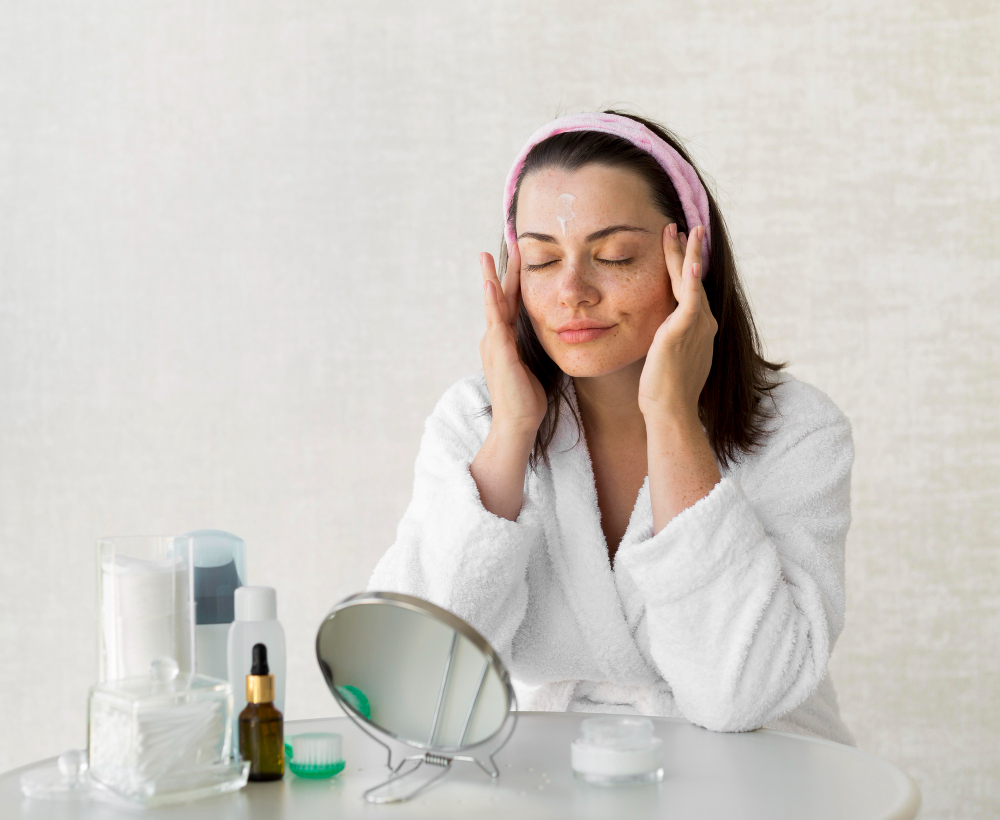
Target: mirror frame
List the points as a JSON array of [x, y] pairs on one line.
[[434, 755]]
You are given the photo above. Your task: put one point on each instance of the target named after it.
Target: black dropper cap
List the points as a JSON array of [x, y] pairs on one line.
[[259, 660]]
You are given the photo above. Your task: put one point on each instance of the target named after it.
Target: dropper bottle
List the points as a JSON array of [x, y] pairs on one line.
[[262, 739]]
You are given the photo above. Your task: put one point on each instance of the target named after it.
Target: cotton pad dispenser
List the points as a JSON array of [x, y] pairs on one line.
[[158, 732], [146, 606], [420, 681]]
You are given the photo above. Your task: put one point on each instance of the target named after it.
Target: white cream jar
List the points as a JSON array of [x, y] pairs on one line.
[[616, 751]]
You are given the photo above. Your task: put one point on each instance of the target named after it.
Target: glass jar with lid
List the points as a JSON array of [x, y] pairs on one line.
[[164, 737]]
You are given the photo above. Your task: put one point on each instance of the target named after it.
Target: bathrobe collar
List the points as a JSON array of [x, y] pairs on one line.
[[579, 551]]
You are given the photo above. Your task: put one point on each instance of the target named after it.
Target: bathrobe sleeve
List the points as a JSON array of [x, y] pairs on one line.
[[745, 601], [449, 549]]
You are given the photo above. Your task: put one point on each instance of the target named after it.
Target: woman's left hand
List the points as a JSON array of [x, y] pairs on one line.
[[680, 357]]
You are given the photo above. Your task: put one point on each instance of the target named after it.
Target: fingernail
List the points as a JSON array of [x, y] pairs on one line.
[[673, 229]]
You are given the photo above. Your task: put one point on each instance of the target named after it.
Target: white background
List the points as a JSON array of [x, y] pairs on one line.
[[238, 267]]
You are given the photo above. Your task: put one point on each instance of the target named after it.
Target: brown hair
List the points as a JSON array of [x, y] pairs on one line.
[[729, 405]]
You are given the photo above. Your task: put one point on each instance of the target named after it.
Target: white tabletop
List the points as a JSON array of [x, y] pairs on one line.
[[764, 774]]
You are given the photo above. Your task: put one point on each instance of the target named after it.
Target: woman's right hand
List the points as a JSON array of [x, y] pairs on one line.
[[518, 398]]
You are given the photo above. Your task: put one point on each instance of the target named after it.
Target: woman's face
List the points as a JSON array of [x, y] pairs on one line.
[[592, 255]]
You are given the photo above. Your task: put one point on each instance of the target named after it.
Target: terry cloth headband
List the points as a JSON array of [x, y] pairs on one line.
[[694, 199]]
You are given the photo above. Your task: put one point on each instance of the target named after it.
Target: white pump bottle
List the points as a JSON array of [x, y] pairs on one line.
[[256, 611]]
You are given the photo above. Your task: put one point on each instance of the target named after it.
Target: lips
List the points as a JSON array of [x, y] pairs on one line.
[[582, 330]]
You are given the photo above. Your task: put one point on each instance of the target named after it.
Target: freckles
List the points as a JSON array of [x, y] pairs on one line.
[[537, 299], [637, 287], [530, 289]]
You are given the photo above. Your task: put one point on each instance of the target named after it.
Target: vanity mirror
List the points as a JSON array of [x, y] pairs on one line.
[[413, 675]]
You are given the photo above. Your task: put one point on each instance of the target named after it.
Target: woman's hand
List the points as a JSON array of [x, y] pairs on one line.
[[518, 398], [680, 357]]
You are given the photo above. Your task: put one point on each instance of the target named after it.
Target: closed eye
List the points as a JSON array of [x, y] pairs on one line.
[[616, 262]]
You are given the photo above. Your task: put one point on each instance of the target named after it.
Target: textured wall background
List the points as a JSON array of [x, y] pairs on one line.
[[238, 267]]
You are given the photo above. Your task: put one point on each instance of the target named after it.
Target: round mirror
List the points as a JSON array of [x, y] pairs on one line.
[[414, 671]]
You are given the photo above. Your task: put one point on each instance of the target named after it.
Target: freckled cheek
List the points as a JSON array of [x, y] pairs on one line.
[[644, 295], [538, 297]]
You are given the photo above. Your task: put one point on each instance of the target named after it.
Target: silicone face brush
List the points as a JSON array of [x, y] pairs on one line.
[[314, 755], [356, 698]]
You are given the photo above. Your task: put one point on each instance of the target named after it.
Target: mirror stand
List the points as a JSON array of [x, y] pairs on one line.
[[386, 792], [407, 672]]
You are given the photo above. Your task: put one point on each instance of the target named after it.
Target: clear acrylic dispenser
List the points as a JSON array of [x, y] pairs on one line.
[[163, 738], [146, 605]]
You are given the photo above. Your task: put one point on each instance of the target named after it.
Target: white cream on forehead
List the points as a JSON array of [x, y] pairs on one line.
[[564, 210]]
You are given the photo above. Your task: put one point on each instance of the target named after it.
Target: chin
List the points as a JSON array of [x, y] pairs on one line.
[[591, 363]]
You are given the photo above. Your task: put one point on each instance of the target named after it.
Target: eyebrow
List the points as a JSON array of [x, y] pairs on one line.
[[601, 234]]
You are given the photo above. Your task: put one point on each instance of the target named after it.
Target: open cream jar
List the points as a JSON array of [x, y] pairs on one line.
[[615, 751]]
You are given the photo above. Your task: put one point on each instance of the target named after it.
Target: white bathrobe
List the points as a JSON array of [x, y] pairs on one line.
[[726, 617]]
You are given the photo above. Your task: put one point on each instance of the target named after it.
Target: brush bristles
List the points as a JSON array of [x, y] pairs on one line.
[[317, 749]]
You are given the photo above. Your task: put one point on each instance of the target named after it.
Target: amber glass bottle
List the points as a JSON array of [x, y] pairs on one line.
[[262, 728]]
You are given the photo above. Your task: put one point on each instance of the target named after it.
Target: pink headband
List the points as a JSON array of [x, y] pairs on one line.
[[685, 179]]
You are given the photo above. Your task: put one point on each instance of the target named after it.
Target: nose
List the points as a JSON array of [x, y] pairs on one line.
[[576, 283]]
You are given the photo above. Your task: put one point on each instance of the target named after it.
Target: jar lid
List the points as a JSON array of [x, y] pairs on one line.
[[617, 732], [164, 684], [66, 780]]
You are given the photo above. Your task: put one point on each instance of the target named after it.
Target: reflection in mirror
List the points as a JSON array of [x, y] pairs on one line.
[[418, 673], [423, 682]]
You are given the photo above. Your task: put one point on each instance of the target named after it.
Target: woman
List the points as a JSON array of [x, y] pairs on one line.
[[623, 503]]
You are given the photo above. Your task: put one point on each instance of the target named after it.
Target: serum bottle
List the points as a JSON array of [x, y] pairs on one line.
[[262, 732]]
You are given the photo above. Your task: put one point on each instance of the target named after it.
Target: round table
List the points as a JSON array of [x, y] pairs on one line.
[[763, 774]]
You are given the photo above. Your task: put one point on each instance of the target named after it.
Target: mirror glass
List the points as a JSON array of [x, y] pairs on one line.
[[424, 675]]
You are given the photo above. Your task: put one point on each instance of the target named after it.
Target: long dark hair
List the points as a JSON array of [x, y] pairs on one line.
[[729, 405]]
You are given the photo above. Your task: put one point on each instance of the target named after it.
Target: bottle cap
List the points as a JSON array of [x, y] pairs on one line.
[[260, 688], [255, 604], [260, 683], [259, 660]]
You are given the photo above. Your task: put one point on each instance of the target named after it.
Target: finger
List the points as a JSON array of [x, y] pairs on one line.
[[692, 250], [689, 305], [697, 282], [674, 255], [512, 283], [494, 316], [691, 302], [683, 238], [490, 275], [692, 254], [695, 286]]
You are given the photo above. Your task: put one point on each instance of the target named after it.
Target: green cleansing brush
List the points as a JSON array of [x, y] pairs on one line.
[[314, 755]]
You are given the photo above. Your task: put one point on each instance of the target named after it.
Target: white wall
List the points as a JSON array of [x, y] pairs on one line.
[[238, 267]]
